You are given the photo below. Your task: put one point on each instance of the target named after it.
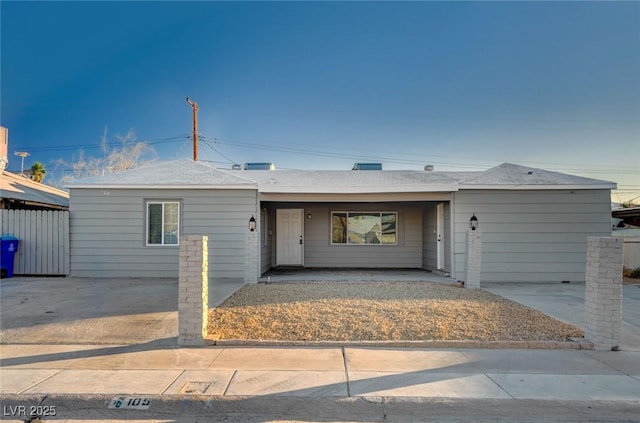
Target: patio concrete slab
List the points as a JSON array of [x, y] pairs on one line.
[[289, 383], [88, 382], [354, 275], [15, 381], [569, 387], [264, 358], [424, 384], [402, 360], [201, 382]]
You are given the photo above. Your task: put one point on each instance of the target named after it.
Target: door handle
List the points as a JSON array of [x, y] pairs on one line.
[[300, 239]]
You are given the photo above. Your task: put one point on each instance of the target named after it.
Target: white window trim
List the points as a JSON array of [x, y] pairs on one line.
[[361, 211], [162, 244]]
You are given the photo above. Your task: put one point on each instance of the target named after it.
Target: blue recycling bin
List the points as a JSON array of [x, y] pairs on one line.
[[8, 249]]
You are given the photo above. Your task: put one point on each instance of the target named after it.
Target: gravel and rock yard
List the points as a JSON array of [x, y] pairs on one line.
[[379, 311]]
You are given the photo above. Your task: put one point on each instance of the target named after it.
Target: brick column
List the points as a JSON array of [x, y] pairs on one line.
[[603, 293], [474, 259], [193, 290], [251, 257]]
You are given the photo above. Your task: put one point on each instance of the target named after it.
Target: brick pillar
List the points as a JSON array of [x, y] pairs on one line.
[[474, 259], [251, 257], [193, 295], [603, 293]]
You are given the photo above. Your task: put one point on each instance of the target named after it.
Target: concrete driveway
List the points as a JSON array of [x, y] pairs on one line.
[[566, 302], [132, 311], [93, 311]]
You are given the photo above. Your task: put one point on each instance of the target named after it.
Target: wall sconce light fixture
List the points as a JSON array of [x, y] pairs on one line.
[[473, 222]]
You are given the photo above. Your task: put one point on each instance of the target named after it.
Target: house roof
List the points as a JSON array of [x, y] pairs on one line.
[[349, 181], [189, 174], [181, 173], [512, 176], [20, 188]]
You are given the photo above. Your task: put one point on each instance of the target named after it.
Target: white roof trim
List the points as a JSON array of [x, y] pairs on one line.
[[355, 189], [357, 197], [537, 187], [141, 186]]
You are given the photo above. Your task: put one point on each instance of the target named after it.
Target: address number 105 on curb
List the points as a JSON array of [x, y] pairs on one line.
[[130, 403]]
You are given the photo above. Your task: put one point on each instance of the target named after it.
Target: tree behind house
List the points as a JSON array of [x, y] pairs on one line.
[[128, 154], [38, 172]]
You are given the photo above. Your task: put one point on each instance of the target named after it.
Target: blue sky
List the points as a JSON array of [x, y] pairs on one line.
[[320, 85]]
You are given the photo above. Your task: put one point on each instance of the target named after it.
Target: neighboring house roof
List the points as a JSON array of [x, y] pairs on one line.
[[189, 174], [182, 173], [630, 215], [18, 188]]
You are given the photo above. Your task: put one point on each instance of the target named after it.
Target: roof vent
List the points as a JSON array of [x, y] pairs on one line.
[[367, 166], [428, 168], [530, 172], [259, 166]]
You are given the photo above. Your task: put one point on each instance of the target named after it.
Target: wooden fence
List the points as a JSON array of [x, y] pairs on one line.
[[44, 241]]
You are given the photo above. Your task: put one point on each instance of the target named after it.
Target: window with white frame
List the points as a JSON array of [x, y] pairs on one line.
[[163, 222], [364, 228]]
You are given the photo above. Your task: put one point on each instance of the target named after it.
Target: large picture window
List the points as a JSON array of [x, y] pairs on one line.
[[163, 222], [364, 228]]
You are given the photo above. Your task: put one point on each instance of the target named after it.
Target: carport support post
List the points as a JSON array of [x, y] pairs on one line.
[[193, 290], [474, 259], [603, 293], [251, 257]]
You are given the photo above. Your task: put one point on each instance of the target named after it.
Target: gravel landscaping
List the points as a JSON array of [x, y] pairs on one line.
[[391, 311]]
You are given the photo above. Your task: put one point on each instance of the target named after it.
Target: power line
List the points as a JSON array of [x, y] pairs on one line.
[[318, 153], [107, 144], [217, 151]]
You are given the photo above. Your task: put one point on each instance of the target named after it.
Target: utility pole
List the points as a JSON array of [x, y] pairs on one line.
[[22, 154], [194, 106]]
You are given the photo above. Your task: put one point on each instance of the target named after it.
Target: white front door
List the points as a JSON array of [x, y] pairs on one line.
[[440, 235], [289, 240]]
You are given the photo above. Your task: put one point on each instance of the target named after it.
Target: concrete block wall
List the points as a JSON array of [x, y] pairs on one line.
[[603, 293], [474, 259], [193, 290]]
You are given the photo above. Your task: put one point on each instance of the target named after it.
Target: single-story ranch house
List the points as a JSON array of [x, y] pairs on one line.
[[534, 223]]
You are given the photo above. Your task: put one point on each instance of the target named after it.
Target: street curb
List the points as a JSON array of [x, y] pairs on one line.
[[573, 344], [353, 409]]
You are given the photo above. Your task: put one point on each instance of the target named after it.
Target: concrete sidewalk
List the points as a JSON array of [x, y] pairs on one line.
[[151, 369]]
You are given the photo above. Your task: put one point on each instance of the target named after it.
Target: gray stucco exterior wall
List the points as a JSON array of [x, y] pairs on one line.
[[531, 236], [108, 230]]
